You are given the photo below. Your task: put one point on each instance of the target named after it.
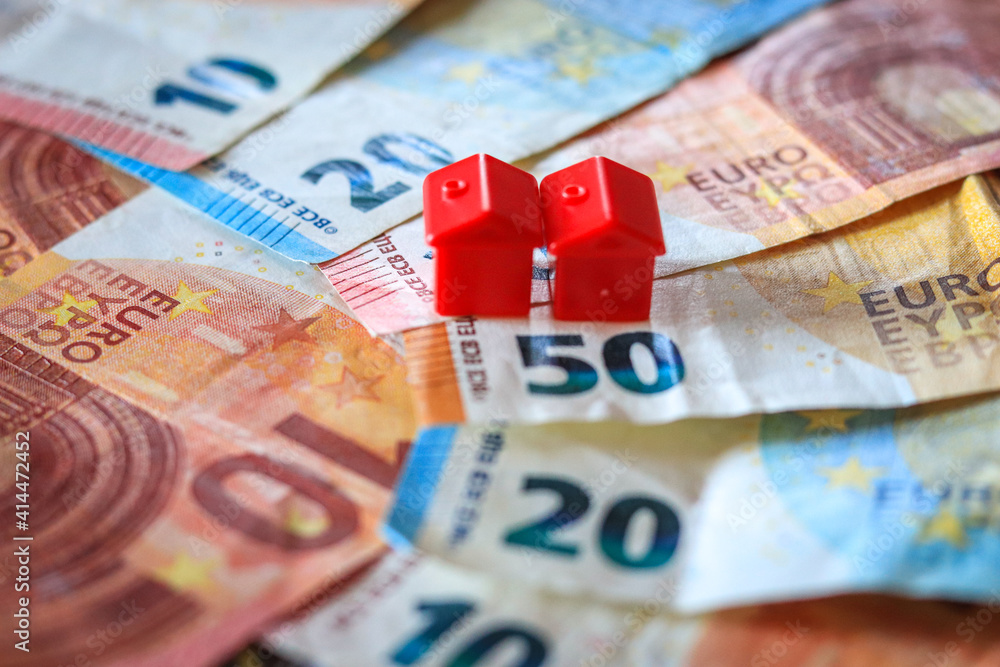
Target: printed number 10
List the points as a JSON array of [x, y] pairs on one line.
[[235, 77], [444, 616]]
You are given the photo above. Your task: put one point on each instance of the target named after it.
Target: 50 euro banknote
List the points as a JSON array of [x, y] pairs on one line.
[[192, 414], [705, 514], [897, 309], [172, 82], [506, 77]]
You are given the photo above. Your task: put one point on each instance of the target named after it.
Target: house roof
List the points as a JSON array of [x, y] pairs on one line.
[[600, 207], [480, 200]]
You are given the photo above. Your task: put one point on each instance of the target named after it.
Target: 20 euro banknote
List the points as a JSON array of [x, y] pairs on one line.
[[506, 77], [897, 309], [172, 82], [718, 513]]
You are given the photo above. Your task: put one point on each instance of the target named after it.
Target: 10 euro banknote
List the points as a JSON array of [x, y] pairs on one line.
[[172, 82], [505, 77], [194, 412]]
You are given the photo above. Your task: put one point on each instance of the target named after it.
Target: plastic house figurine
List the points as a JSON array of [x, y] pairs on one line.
[[482, 217], [602, 225]]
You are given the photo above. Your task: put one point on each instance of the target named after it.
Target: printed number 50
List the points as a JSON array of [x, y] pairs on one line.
[[581, 376]]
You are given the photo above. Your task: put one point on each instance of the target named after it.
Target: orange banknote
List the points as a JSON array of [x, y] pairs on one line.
[[828, 120], [48, 190], [192, 423]]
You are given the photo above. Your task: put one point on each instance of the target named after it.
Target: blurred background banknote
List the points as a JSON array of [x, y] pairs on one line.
[[505, 77], [757, 151], [893, 310], [824, 122], [49, 190], [412, 610], [811, 503], [217, 446], [172, 82], [203, 457]]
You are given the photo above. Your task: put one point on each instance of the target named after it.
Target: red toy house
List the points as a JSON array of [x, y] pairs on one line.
[[482, 217], [602, 225]]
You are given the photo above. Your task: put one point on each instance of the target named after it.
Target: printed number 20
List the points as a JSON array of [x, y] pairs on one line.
[[574, 505], [581, 376], [364, 196]]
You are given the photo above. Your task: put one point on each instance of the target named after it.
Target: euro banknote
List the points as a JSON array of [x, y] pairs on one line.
[[191, 414], [894, 310], [506, 77], [754, 152], [601, 510], [903, 501], [824, 122], [49, 189], [721, 513], [413, 610], [172, 82]]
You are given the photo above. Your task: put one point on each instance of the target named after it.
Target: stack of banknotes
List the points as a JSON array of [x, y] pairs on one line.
[[235, 431]]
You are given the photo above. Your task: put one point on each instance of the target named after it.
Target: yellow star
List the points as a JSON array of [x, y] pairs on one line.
[[351, 388], [470, 73], [581, 72], [189, 300], [185, 573], [302, 524], [773, 195], [832, 419], [837, 292], [944, 526], [851, 475], [671, 38], [670, 177], [62, 311]]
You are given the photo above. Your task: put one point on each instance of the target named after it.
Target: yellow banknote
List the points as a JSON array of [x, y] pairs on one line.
[[896, 309]]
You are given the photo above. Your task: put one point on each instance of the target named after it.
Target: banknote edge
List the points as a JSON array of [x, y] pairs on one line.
[[415, 489]]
